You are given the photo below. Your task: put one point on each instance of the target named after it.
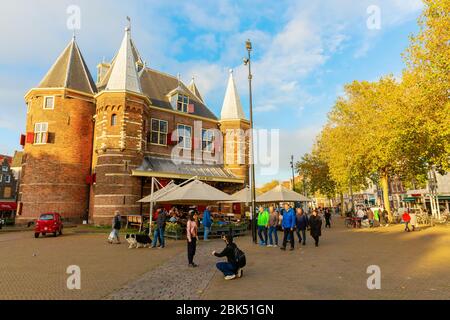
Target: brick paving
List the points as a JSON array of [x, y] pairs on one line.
[[413, 266]]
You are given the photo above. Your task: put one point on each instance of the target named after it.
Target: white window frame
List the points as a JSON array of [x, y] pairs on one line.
[[184, 104], [4, 168], [180, 132], [7, 178], [45, 102], [41, 133], [209, 141], [159, 132], [114, 115]]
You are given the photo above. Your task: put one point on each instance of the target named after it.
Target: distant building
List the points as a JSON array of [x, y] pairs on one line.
[[8, 185]]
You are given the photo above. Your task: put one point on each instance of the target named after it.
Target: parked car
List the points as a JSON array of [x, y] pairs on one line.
[[50, 222]]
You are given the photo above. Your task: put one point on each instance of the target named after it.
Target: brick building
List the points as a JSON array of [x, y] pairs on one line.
[[8, 183], [92, 148]]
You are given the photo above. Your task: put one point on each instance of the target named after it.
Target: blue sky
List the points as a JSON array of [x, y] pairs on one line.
[[304, 52]]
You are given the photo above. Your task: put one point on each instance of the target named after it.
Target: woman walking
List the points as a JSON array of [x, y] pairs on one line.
[[315, 224], [192, 237]]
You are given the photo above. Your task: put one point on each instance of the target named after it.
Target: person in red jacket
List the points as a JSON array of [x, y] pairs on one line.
[[407, 219]]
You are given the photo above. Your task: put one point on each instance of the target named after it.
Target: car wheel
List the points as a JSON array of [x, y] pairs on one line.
[[44, 234], [60, 231], [55, 233], [36, 234]]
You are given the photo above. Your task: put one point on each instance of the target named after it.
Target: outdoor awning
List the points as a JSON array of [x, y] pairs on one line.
[[195, 192], [159, 193], [166, 168], [280, 194], [242, 196], [8, 206]]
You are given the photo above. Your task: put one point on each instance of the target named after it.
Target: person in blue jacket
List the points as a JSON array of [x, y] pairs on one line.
[[207, 222], [301, 221], [288, 225]]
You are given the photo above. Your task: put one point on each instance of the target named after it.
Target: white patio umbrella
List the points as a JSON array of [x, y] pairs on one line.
[[242, 196], [195, 192], [281, 194]]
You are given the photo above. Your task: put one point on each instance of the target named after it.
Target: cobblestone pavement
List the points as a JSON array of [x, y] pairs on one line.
[[36, 268], [413, 266], [174, 279]]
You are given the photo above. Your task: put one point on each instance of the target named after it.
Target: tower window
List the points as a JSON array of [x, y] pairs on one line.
[[49, 102], [182, 103], [114, 119], [40, 132], [159, 132], [8, 179]]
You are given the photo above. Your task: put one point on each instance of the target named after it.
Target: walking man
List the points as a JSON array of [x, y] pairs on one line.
[[116, 225], [207, 222], [263, 223], [274, 220], [301, 225], [160, 227], [327, 216], [315, 224], [288, 224]]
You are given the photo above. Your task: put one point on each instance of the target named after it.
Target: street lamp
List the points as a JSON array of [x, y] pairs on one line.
[[293, 176], [247, 62]]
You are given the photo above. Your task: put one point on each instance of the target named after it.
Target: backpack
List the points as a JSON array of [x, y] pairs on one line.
[[239, 257]]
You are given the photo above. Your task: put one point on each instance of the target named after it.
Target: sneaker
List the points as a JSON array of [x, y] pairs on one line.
[[239, 273], [283, 248], [230, 277], [269, 246]]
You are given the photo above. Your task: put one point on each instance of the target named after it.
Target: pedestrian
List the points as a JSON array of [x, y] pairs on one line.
[[192, 237], [274, 220], [301, 222], [263, 224], [327, 216], [116, 225], [230, 269], [413, 221], [315, 225], [160, 228], [288, 224], [406, 219], [207, 222]]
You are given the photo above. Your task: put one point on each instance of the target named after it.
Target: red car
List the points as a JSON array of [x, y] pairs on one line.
[[48, 223]]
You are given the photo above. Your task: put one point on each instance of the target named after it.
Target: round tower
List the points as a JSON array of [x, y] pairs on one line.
[[59, 133]]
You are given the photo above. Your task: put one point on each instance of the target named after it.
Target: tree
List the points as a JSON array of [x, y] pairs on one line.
[[268, 186], [317, 174]]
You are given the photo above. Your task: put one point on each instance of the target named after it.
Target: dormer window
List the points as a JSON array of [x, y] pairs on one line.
[[182, 103], [49, 102]]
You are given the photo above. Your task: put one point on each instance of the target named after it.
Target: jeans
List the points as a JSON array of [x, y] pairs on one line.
[[262, 231], [288, 233], [191, 246], [227, 268], [302, 236], [273, 230], [206, 231], [114, 235], [159, 234]]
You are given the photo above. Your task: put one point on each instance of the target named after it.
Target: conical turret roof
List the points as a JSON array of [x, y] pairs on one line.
[[231, 108], [70, 71]]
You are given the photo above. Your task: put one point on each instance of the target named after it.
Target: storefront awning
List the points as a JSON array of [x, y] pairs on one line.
[[409, 199], [8, 206], [166, 168]]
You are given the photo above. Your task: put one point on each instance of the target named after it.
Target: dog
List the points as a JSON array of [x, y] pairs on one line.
[[138, 240]]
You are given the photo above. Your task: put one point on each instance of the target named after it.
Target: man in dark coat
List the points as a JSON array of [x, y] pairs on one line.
[[315, 224], [301, 222]]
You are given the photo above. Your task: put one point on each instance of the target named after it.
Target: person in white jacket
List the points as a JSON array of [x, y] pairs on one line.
[[413, 221]]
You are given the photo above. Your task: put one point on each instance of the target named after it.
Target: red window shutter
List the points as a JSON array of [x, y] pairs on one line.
[[22, 140], [88, 179], [30, 137], [190, 108]]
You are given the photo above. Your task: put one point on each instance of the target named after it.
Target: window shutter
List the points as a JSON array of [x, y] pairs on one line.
[[50, 137], [23, 139], [30, 137]]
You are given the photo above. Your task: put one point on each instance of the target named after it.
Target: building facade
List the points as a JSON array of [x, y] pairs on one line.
[[92, 148]]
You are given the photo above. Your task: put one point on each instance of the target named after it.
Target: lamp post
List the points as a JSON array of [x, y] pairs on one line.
[[293, 176], [247, 62]]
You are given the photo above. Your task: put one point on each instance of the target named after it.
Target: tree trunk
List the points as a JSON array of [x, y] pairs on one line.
[[385, 186], [342, 204]]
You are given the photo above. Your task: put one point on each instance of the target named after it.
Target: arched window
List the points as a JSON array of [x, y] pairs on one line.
[[113, 119]]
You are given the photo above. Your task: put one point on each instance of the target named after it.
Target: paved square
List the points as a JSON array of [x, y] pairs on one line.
[[413, 266]]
